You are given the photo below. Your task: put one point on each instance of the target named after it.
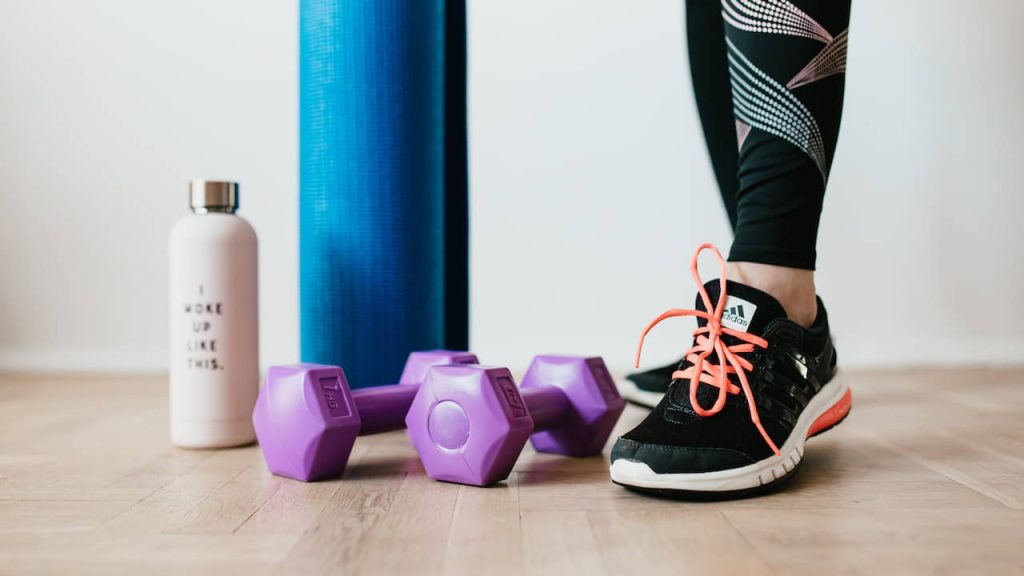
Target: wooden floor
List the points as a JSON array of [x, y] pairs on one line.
[[925, 476]]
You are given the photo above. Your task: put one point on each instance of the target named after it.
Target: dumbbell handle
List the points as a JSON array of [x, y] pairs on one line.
[[383, 408], [548, 406]]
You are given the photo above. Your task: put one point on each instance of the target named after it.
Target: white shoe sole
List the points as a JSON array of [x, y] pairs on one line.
[[631, 393], [772, 469]]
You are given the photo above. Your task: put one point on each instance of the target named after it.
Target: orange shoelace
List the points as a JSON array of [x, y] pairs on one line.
[[708, 340]]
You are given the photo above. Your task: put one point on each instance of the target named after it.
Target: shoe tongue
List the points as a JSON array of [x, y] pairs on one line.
[[747, 309]]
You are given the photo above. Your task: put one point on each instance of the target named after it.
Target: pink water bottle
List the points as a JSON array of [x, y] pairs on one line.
[[214, 373]]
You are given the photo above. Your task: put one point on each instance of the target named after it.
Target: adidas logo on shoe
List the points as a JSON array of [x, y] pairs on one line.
[[738, 313]]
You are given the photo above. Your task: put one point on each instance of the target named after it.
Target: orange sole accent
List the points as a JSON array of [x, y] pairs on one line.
[[833, 415]]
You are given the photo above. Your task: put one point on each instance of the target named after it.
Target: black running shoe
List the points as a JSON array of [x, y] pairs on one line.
[[739, 432], [648, 387]]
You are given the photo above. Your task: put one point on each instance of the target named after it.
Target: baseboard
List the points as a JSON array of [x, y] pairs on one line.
[[881, 353], [88, 361]]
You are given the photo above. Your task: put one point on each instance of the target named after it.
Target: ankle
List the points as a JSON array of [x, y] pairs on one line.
[[792, 287]]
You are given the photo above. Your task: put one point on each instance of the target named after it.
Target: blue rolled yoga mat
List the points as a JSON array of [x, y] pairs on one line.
[[383, 209]]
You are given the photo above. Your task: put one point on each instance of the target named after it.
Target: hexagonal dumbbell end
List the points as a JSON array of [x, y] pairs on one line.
[[468, 424], [595, 404], [306, 421]]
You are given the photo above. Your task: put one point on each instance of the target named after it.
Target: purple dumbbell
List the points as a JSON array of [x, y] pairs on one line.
[[469, 423], [307, 419]]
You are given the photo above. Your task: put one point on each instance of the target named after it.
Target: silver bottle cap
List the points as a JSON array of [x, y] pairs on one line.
[[213, 196]]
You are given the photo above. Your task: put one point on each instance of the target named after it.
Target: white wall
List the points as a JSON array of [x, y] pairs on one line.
[[590, 183], [107, 110]]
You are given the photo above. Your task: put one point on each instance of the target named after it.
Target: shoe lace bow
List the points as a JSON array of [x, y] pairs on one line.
[[708, 340]]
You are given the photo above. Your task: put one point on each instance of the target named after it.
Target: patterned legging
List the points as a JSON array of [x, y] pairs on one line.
[[769, 77]]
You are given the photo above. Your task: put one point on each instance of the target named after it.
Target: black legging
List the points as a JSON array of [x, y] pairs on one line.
[[769, 78]]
